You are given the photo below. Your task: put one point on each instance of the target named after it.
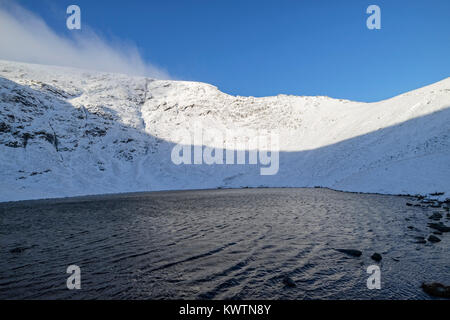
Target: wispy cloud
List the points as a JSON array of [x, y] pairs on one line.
[[26, 37]]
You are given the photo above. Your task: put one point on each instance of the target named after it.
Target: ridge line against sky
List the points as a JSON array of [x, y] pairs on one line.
[[265, 48]]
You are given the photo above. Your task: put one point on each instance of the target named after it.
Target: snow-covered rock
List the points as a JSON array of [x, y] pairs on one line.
[[69, 132]]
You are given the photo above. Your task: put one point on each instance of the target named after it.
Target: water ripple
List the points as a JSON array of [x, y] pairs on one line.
[[227, 244]]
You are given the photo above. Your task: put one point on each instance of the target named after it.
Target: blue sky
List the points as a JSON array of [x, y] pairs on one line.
[[261, 48]]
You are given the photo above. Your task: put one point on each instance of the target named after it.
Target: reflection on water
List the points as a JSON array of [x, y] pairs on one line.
[[222, 244]]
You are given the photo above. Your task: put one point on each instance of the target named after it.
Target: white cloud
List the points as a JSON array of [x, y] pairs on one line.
[[26, 37]]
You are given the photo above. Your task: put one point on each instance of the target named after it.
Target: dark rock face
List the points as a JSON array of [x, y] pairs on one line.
[[351, 252], [377, 257], [433, 239], [96, 132], [436, 290]]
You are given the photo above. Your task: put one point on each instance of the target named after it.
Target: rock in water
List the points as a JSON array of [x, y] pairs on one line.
[[434, 239], [436, 290], [18, 250], [435, 216], [289, 282], [420, 240], [439, 227], [351, 252], [377, 257]]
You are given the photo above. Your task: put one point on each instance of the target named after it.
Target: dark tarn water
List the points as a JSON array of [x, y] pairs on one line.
[[221, 244]]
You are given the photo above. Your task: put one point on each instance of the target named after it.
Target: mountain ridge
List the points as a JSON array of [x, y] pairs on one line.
[[110, 133]]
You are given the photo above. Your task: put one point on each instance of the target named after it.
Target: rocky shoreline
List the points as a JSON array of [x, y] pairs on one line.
[[439, 227]]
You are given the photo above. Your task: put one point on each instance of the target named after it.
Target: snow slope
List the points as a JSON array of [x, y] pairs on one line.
[[69, 132]]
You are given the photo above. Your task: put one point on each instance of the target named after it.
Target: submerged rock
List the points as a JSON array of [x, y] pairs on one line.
[[351, 252], [289, 282], [436, 290], [439, 227], [435, 216], [377, 257], [18, 250], [421, 240]]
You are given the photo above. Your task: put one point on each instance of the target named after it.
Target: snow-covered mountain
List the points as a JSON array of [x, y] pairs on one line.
[[69, 132]]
